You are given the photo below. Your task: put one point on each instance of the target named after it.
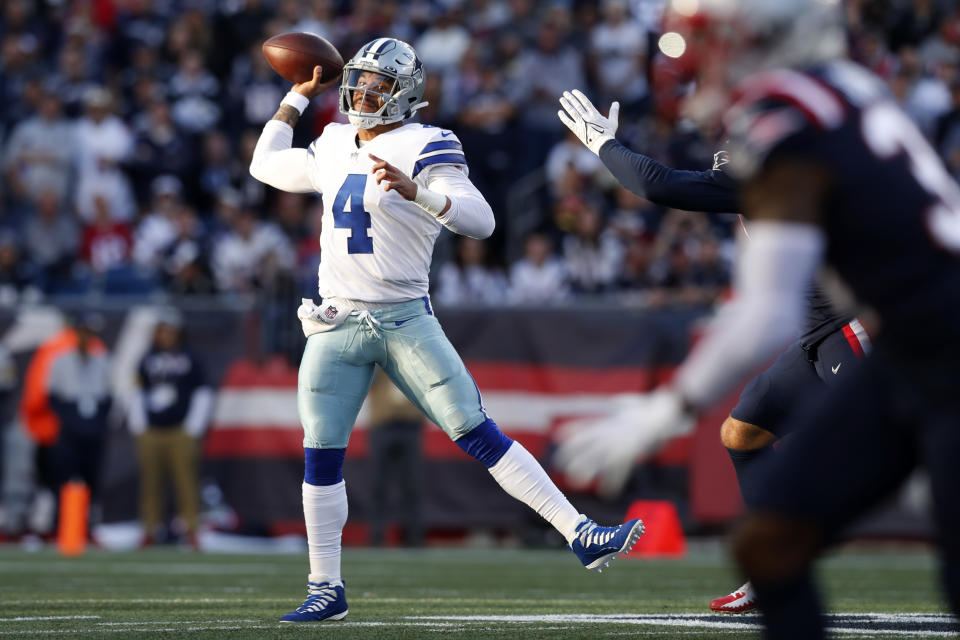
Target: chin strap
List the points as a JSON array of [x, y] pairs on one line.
[[417, 107]]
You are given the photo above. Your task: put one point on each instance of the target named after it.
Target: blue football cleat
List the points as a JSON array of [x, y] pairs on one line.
[[325, 601], [596, 546]]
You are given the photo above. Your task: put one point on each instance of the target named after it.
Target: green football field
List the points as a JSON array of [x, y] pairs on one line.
[[431, 593]]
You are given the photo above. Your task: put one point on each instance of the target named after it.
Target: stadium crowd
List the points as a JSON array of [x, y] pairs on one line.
[[127, 126]]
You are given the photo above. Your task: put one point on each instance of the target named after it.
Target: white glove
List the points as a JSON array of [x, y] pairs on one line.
[[583, 119], [606, 448]]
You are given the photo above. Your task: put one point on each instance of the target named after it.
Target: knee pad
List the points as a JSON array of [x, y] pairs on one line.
[[485, 442], [323, 467]]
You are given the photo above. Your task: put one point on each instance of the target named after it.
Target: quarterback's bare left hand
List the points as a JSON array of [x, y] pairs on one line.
[[395, 179], [606, 448], [583, 119]]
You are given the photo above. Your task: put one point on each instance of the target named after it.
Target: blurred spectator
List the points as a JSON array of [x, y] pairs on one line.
[[194, 92], [912, 21], [138, 24], [39, 153], [160, 148], [145, 67], [689, 267], [488, 16], [319, 19], [75, 80], [168, 416], [571, 166], [289, 212], [18, 277], [443, 44], [190, 31], [470, 279], [649, 15], [225, 210], [106, 243], [244, 22], [634, 217], [539, 277], [251, 255], [256, 89], [17, 68], [396, 459], [618, 53], [252, 191], [928, 94], [637, 259], [486, 125], [51, 239], [218, 170], [540, 77], [186, 260], [308, 252], [593, 254], [156, 230], [103, 143], [78, 389]]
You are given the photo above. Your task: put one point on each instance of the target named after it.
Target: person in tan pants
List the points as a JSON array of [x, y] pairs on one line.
[[168, 416]]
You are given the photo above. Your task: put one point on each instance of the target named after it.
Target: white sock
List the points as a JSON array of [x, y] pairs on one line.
[[522, 477], [325, 512]]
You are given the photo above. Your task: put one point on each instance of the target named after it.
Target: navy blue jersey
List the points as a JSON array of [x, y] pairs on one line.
[[168, 380], [891, 213], [713, 191]]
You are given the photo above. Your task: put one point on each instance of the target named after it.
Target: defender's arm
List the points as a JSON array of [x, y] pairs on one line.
[[711, 191]]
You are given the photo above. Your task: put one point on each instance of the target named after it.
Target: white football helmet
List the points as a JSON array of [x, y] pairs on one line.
[[382, 83]]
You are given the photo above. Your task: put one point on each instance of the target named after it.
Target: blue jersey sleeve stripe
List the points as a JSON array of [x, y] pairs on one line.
[[442, 144], [449, 158]]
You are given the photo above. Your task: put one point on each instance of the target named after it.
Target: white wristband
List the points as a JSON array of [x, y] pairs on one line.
[[296, 100], [430, 201]]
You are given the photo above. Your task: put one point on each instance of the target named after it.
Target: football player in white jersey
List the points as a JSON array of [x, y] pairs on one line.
[[388, 187]]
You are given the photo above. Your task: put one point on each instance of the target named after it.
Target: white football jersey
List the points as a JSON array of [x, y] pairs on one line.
[[375, 245]]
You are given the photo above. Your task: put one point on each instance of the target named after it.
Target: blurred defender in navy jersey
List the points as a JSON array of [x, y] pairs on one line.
[[830, 338], [831, 172]]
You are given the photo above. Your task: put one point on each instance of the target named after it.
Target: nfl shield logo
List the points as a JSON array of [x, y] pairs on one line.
[[330, 312]]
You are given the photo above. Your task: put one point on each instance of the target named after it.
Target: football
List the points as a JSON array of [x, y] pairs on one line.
[[294, 55]]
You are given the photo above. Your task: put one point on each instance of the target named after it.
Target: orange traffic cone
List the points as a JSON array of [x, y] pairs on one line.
[[74, 511], [664, 535]]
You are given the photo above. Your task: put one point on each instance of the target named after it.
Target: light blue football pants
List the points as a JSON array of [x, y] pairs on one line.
[[413, 351]]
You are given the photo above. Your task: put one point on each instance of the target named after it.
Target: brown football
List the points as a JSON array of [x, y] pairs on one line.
[[294, 55]]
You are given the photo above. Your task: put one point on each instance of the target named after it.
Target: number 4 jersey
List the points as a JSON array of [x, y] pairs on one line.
[[376, 246], [892, 212]]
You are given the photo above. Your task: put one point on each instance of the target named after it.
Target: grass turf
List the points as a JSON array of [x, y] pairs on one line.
[[415, 594]]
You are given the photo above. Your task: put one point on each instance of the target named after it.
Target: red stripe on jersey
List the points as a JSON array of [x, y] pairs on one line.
[[822, 107], [853, 340]]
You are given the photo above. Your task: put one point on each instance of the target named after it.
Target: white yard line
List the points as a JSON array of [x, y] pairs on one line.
[[138, 629], [144, 568], [35, 618]]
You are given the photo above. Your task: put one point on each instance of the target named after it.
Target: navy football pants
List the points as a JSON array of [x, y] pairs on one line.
[[854, 445]]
